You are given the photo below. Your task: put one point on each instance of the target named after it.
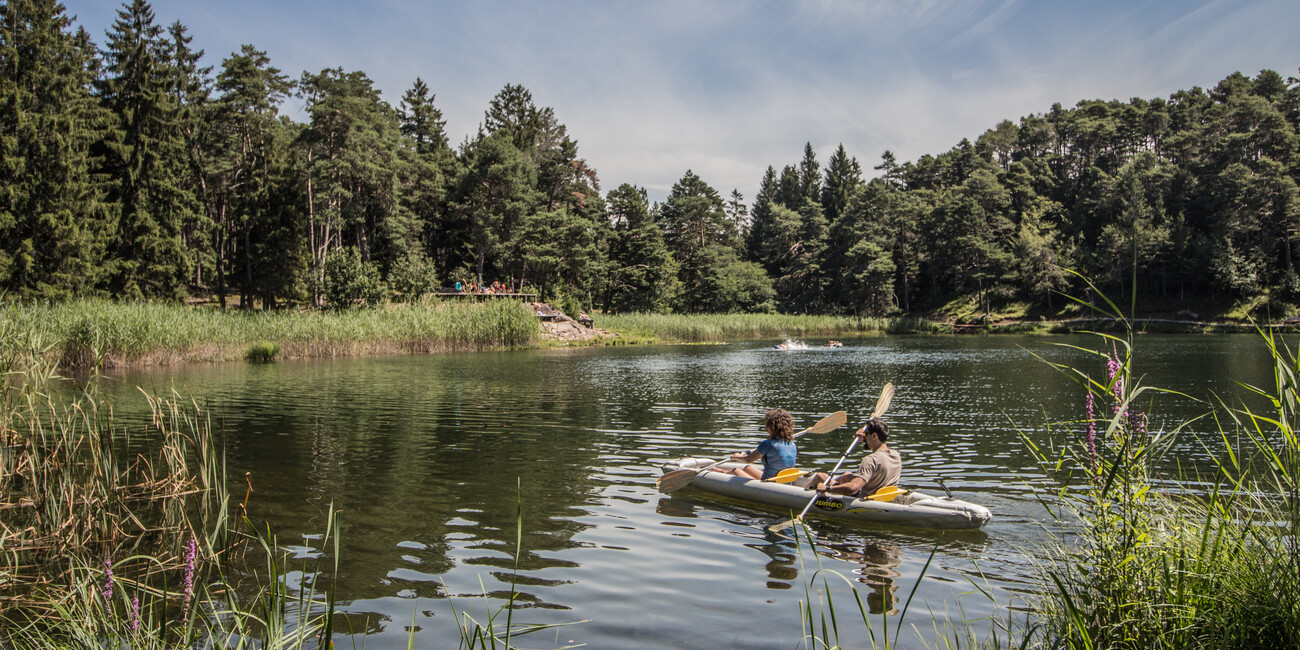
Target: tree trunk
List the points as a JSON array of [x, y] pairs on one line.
[[221, 258]]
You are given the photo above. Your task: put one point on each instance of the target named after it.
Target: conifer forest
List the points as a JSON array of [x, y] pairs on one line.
[[135, 166]]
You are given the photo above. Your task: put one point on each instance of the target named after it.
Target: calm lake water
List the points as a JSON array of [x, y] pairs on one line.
[[429, 457]]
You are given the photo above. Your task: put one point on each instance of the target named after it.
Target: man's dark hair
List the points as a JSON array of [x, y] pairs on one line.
[[878, 427]]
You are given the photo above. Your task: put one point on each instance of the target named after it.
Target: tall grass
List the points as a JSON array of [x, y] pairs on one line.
[[89, 333], [492, 633], [109, 546], [1162, 561], [828, 623], [718, 327]]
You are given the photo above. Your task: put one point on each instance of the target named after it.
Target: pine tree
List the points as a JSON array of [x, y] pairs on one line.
[[492, 197], [242, 173], [761, 216], [429, 168], [843, 178], [643, 273], [707, 244], [54, 225], [147, 159], [352, 149], [190, 89]]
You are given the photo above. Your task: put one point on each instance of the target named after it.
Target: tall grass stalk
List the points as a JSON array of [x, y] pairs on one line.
[[825, 626], [1159, 561], [492, 633], [114, 543], [93, 333]]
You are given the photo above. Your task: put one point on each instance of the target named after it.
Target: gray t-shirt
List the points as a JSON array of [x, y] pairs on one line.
[[879, 469]]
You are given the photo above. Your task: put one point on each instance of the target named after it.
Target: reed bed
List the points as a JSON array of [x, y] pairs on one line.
[[720, 327], [94, 333], [1154, 564], [117, 538]]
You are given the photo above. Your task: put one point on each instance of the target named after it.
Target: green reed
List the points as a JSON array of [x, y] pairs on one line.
[[90, 333], [718, 327], [826, 627], [124, 538], [1163, 561], [492, 633]]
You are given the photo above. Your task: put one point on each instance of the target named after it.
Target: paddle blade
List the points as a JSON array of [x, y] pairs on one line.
[[780, 526], [788, 475], [675, 480], [887, 493], [830, 423], [882, 404]]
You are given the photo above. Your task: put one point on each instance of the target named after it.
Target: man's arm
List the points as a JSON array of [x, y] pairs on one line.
[[846, 487]]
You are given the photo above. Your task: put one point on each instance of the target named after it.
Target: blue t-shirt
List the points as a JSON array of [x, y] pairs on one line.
[[777, 455]]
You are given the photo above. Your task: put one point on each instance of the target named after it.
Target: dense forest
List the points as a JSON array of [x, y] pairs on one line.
[[133, 169]]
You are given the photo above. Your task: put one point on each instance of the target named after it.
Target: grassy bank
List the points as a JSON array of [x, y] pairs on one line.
[[85, 333], [721, 327]]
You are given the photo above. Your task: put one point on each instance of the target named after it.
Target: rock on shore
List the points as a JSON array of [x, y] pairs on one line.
[[558, 326]]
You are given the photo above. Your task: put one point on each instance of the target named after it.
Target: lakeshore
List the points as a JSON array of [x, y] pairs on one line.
[[87, 334]]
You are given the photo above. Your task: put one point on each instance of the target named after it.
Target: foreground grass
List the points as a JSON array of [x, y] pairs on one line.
[[99, 552], [88, 333], [1163, 561]]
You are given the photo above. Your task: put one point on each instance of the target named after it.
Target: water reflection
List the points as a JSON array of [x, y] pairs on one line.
[[436, 462]]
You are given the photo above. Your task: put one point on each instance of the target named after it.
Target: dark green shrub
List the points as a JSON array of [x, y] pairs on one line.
[[412, 276], [350, 281]]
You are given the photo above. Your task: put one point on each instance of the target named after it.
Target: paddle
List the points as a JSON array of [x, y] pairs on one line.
[[882, 404], [887, 493], [787, 475], [678, 479]]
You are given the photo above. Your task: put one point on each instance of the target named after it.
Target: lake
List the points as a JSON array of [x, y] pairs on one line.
[[430, 458]]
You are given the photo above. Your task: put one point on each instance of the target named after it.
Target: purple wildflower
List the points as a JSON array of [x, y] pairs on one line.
[[1113, 368], [191, 560], [1139, 421], [1090, 437], [107, 590], [135, 614]]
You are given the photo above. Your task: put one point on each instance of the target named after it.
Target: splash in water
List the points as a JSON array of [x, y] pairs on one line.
[[791, 344]]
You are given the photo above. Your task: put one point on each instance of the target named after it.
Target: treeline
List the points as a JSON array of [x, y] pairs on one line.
[[132, 169]]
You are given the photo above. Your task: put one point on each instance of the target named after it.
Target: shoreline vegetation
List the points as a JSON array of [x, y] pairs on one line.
[[160, 552], [142, 193], [94, 333]]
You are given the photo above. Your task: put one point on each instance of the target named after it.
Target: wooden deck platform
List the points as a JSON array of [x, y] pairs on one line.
[[452, 293]]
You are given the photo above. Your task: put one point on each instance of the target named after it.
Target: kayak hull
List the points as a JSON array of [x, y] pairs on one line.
[[910, 509]]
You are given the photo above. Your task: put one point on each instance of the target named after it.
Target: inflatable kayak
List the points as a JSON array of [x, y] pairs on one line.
[[907, 508]]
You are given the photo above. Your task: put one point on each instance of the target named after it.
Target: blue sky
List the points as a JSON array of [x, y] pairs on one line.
[[726, 87]]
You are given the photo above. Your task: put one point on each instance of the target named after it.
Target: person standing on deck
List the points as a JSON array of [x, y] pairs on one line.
[[880, 468]]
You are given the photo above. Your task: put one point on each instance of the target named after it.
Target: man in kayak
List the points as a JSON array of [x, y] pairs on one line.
[[778, 451], [880, 468]]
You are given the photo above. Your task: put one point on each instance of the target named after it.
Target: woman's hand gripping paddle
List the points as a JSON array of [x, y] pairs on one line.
[[882, 405], [678, 479]]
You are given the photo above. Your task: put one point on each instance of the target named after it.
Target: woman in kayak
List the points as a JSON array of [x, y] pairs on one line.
[[880, 468], [778, 451]]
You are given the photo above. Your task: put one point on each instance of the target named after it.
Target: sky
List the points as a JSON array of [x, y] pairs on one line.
[[727, 88]]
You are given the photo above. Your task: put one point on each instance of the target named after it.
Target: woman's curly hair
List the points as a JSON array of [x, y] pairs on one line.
[[780, 425]]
